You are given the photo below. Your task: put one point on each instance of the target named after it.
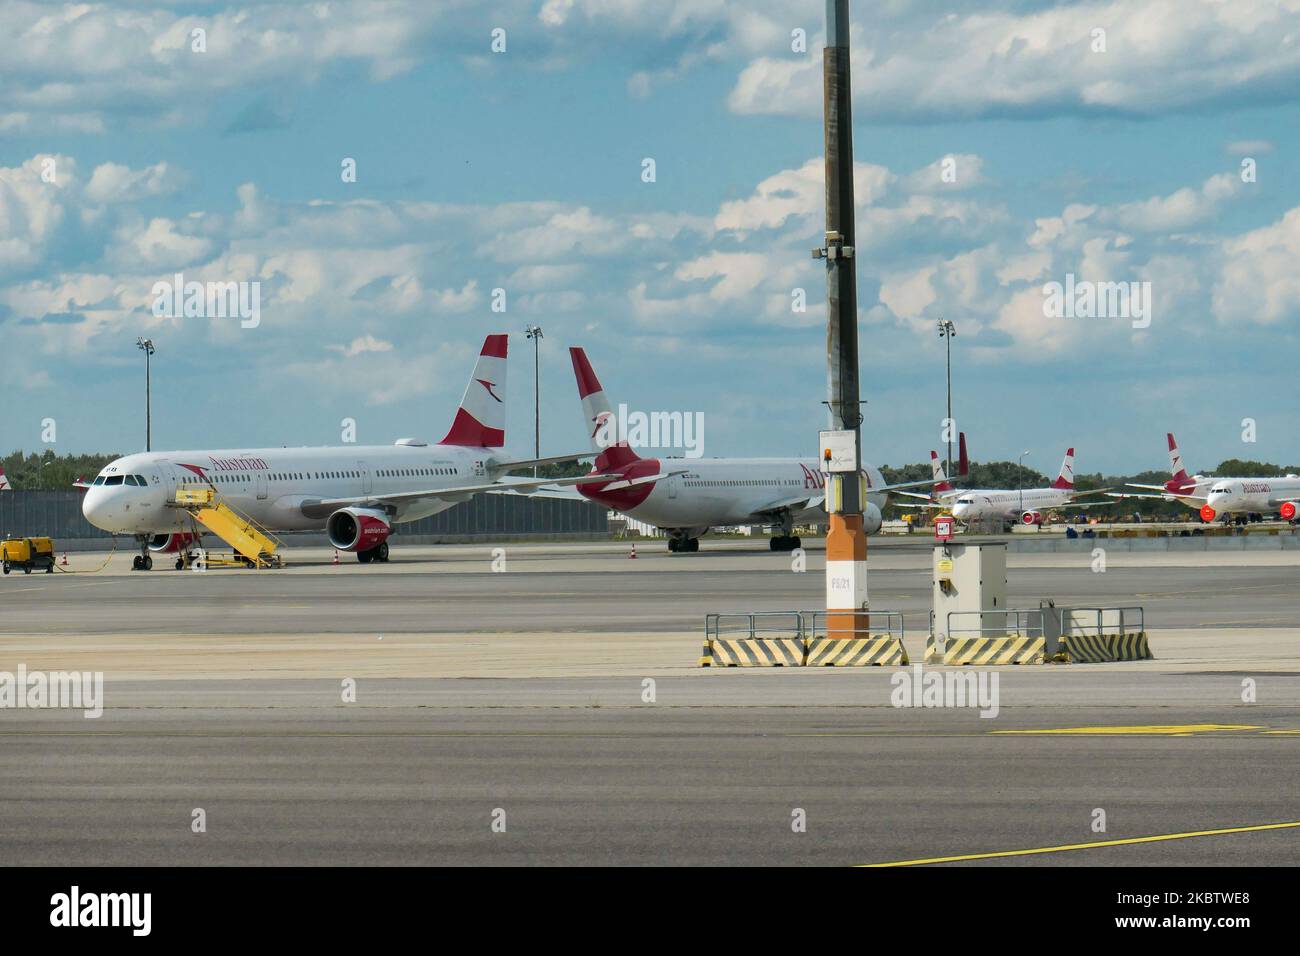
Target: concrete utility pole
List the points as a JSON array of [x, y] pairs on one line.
[[846, 542]]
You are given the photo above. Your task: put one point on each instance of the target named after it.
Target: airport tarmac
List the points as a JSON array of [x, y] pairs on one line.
[[523, 691]]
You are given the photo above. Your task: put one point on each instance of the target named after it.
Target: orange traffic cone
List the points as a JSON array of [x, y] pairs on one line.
[[633, 554], [64, 562], [336, 557]]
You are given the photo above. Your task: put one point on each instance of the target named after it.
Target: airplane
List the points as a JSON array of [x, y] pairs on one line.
[[355, 493], [1223, 497], [1191, 490], [4, 482], [939, 498], [1024, 505], [687, 497]]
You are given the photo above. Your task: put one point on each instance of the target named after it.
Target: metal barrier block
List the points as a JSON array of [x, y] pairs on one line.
[[754, 652], [995, 650], [1103, 648], [877, 651]]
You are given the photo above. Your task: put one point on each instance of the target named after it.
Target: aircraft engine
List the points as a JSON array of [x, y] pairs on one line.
[[176, 541], [872, 519], [357, 529]]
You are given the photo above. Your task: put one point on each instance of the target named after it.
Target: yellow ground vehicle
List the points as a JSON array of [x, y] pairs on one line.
[[28, 553]]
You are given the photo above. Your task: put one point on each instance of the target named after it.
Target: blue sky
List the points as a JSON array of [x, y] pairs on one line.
[[522, 170]]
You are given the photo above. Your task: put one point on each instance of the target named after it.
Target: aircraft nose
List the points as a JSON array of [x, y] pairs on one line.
[[97, 508]]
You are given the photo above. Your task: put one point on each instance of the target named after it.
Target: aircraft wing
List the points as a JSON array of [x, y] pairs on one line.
[[551, 489], [928, 507], [794, 505], [1124, 494], [512, 464], [913, 494], [463, 492]]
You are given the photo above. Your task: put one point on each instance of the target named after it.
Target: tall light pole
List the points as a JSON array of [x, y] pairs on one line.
[[146, 346], [947, 331], [1020, 481], [534, 332]]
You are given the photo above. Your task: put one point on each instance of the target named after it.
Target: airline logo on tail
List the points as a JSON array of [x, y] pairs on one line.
[[598, 413], [4, 482], [1065, 480], [1180, 481], [936, 467], [480, 420]]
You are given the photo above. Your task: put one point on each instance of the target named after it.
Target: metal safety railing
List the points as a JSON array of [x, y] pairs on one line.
[[1107, 620], [1003, 622], [804, 625], [754, 624], [881, 624]]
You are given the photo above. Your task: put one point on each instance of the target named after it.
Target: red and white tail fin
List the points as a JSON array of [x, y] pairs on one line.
[[481, 419], [1176, 468], [936, 466], [1065, 479], [4, 482], [601, 423]]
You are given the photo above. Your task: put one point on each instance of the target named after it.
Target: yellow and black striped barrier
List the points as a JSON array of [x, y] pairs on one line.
[[1102, 648], [754, 652], [990, 650], [881, 650]]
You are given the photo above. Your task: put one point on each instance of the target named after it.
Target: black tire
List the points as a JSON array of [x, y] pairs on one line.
[[774, 543], [148, 563], [364, 557], [694, 545], [27, 569], [135, 563], [6, 567], [797, 543], [673, 545], [180, 564], [49, 569], [381, 552]]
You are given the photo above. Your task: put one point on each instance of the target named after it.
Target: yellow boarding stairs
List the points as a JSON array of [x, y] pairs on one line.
[[255, 547]]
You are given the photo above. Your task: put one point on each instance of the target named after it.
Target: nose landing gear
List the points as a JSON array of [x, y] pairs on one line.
[[142, 561]]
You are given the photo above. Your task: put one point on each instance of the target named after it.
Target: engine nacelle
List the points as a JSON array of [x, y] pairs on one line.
[[357, 529], [1288, 511], [872, 519], [176, 541], [1032, 517]]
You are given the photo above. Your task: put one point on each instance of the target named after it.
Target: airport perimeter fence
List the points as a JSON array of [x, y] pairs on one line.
[[57, 515]]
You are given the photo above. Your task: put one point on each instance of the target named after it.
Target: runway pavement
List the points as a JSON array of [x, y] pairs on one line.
[[597, 588], [525, 692]]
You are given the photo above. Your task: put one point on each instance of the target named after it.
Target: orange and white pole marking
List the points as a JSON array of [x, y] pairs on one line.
[[846, 577]]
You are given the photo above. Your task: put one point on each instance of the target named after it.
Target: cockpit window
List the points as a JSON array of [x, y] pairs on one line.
[[140, 482], [113, 480], [965, 501], [99, 480]]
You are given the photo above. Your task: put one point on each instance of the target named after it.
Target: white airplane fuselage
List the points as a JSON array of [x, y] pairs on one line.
[[279, 488], [715, 492], [1252, 495], [998, 503]]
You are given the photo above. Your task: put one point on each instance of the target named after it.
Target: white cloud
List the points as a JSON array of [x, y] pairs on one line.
[[114, 183], [1008, 62]]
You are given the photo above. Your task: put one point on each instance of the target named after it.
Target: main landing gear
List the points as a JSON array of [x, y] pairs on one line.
[[680, 543], [378, 553], [786, 540]]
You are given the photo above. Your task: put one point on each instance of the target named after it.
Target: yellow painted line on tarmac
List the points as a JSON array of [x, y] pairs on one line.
[[1159, 730], [1086, 846]]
